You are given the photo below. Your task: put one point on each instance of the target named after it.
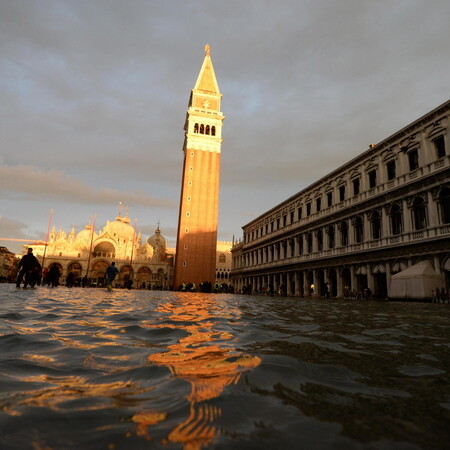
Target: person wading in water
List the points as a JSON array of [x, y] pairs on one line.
[[111, 273]]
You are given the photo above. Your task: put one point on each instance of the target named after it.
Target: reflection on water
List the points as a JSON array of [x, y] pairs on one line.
[[132, 369], [206, 358]]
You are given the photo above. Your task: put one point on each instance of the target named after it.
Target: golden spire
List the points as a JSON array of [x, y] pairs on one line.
[[207, 49]]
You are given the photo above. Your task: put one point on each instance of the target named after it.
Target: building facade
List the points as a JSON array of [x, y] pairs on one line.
[[351, 231], [199, 200], [87, 253], [7, 264]]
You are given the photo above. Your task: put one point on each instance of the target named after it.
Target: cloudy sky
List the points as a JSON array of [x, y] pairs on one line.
[[93, 97]]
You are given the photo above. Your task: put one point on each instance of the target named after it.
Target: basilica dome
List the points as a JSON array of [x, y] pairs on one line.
[[86, 234], [120, 228], [157, 240]]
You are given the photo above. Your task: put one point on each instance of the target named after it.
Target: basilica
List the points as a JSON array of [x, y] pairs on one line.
[[148, 264]]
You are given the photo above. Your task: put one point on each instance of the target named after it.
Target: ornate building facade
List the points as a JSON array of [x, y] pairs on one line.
[[88, 253], [199, 201], [362, 225]]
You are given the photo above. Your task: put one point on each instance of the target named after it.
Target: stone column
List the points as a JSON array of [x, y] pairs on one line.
[[353, 279], [340, 292], [407, 223], [297, 284], [388, 275], [433, 217], [370, 281]]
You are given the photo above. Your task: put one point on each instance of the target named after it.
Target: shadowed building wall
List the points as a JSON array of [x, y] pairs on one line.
[[199, 201]]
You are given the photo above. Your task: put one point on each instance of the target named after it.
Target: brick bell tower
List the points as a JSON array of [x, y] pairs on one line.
[[195, 259]]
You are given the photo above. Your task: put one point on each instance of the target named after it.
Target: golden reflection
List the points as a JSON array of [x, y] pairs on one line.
[[206, 359]]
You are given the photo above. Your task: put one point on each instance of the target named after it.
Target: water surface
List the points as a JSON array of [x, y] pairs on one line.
[[90, 369]]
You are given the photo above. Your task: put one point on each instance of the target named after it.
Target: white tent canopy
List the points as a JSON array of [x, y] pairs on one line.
[[415, 282]]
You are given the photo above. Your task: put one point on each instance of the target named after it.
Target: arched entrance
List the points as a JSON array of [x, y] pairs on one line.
[[125, 275], [379, 281], [346, 278], [320, 288], [97, 273], [361, 278], [144, 276], [104, 249], [332, 277]]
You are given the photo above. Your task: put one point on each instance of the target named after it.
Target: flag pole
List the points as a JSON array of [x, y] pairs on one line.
[[48, 235], [90, 247]]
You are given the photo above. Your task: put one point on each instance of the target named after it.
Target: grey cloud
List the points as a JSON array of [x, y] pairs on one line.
[[31, 183]]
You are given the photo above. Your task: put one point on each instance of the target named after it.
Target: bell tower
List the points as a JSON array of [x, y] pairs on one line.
[[195, 258]]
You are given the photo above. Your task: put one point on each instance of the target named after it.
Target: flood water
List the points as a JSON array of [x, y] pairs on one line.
[[91, 369]]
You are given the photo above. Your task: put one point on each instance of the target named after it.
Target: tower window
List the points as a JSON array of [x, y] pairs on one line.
[[189, 183], [439, 146], [192, 153], [191, 168], [196, 128], [186, 230], [188, 214], [202, 129], [184, 263], [213, 130], [207, 129], [188, 198]]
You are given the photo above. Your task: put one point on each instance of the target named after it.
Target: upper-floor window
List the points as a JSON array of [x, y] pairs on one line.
[[299, 212], [372, 178], [308, 209], [278, 223], [202, 129], [413, 159], [196, 128], [376, 225], [222, 258], [444, 203], [356, 185], [331, 238], [419, 214], [344, 232], [341, 193], [329, 199], [271, 226], [390, 168], [292, 216], [284, 220], [207, 129], [439, 146], [318, 204], [396, 220], [319, 240], [359, 229], [213, 130], [309, 242]]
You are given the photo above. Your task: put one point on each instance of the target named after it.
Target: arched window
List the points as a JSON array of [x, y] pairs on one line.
[[207, 129], [331, 237], [319, 235], [213, 130], [202, 129], [396, 220], [344, 232], [359, 229], [376, 225], [419, 213], [222, 258], [444, 200], [309, 242], [196, 128]]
